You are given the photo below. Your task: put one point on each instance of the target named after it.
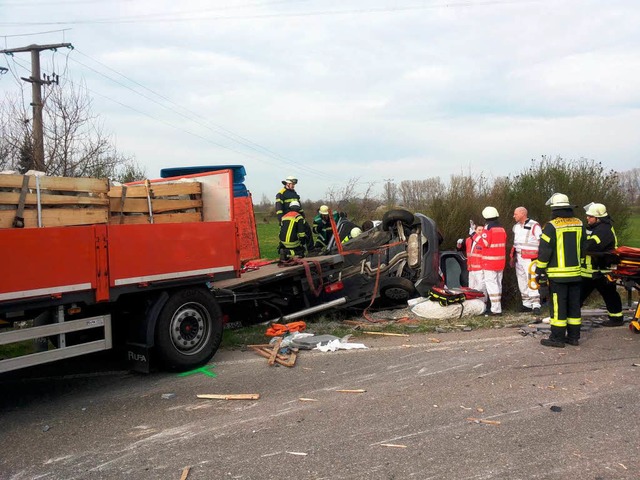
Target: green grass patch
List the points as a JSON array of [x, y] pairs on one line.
[[631, 236], [268, 239]]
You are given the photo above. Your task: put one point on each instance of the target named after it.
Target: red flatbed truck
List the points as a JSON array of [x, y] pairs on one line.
[[163, 292]]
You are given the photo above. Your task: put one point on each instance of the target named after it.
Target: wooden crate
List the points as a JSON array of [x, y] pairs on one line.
[[63, 201], [171, 202]]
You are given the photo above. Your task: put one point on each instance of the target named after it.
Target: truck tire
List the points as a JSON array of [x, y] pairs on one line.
[[390, 218], [189, 329]]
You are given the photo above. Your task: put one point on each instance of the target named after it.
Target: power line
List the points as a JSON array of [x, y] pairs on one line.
[[171, 18], [190, 116]]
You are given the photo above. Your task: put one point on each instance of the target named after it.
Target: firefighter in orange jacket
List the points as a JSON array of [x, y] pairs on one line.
[[494, 251], [295, 234]]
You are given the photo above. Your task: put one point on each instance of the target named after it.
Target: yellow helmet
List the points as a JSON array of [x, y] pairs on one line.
[[324, 210], [355, 231]]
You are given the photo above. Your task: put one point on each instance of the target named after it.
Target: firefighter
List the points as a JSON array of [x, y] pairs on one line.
[[355, 231], [285, 196], [526, 238], [322, 227], [601, 238], [494, 251], [295, 234], [561, 244]]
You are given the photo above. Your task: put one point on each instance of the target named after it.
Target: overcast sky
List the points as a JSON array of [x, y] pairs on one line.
[[334, 90]]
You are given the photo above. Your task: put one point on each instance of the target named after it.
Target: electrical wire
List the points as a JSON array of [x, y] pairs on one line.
[[199, 17], [196, 118]]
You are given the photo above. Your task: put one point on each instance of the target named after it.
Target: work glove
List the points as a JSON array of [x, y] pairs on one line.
[[472, 227], [541, 277]]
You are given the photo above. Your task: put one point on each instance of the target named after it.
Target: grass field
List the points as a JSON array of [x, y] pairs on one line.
[[631, 237], [268, 239]]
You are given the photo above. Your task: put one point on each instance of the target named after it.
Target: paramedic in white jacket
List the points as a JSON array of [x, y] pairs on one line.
[[526, 238]]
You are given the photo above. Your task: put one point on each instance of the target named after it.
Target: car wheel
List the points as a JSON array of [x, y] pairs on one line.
[[392, 216]]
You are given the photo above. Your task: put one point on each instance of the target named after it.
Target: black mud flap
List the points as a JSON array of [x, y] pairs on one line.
[[139, 357]]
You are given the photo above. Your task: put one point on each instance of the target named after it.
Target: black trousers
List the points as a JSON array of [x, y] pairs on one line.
[[564, 303], [608, 291]]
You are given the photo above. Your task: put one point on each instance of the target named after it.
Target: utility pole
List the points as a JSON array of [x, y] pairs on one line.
[[36, 96]]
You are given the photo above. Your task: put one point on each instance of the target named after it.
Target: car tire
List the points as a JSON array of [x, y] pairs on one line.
[[392, 216], [396, 290]]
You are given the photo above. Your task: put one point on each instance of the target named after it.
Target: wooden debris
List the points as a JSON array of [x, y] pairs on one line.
[[351, 391], [230, 396], [302, 399], [274, 351], [185, 473], [393, 445], [302, 454], [434, 340], [267, 351], [388, 334], [481, 420]]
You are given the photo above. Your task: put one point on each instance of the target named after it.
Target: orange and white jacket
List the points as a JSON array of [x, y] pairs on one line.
[[494, 247]]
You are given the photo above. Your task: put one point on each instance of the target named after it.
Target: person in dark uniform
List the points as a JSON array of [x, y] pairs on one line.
[[295, 234], [559, 254], [601, 239], [285, 196]]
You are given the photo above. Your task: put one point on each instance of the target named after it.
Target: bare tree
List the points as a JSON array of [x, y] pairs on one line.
[[630, 184], [74, 140]]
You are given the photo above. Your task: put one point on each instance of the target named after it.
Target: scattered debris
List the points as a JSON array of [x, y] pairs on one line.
[[388, 334], [635, 364], [555, 408], [168, 396], [352, 391], [302, 399], [185, 473], [274, 354], [481, 420], [302, 454], [230, 396], [393, 445], [434, 340], [46, 428]]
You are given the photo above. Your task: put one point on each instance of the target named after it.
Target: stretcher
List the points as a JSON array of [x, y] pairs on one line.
[[625, 271]]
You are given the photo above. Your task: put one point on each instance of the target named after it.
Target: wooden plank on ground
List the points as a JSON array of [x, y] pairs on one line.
[[67, 184], [158, 190], [159, 205], [274, 351], [13, 198], [230, 396], [56, 217], [160, 218]]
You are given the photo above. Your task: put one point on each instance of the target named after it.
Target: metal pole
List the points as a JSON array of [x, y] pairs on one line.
[[36, 95]]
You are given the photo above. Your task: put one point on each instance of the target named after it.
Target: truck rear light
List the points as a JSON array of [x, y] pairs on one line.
[[73, 310], [334, 287]]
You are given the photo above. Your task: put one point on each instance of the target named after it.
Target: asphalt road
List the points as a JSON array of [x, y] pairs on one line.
[[550, 414]]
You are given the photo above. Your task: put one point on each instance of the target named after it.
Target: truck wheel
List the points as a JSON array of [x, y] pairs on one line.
[[390, 218], [188, 330], [396, 290]]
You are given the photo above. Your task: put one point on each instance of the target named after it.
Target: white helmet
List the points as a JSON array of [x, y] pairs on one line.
[[355, 231], [324, 210], [558, 200], [294, 205], [597, 210], [490, 212], [290, 179]]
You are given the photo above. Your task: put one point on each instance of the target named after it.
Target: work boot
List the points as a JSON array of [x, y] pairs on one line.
[[573, 335], [556, 339], [613, 322], [536, 311]]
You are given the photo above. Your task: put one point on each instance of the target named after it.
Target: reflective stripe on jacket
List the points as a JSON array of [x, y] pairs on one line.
[[494, 247], [526, 238], [283, 199], [474, 253], [560, 248], [294, 230]]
